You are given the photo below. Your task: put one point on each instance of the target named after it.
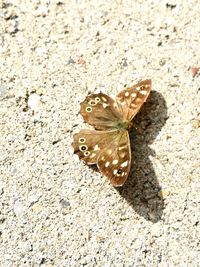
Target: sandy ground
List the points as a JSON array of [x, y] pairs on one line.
[[56, 211]]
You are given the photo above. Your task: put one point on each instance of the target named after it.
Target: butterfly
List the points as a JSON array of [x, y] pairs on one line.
[[108, 146]]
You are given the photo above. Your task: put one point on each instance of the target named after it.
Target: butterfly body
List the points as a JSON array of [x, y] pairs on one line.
[[122, 125], [108, 145]]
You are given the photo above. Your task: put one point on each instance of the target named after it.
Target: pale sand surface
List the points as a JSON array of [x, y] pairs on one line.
[[56, 211]]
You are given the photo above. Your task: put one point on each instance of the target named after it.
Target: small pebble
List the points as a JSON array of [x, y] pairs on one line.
[[3, 90], [34, 102], [18, 208], [196, 124]]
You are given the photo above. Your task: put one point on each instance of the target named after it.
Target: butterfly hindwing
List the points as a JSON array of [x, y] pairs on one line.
[[110, 150], [115, 160], [88, 144], [100, 111], [130, 100]]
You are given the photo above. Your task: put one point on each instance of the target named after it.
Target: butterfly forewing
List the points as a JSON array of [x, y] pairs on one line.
[[130, 100], [114, 161], [99, 110]]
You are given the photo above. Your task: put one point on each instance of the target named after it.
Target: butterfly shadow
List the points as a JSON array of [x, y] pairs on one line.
[[142, 188]]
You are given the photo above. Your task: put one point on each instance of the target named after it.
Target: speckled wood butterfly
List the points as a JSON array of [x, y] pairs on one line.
[[108, 145]]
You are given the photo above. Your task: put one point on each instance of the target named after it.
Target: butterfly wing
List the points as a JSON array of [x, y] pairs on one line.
[[89, 143], [130, 100], [114, 162], [100, 111], [110, 150]]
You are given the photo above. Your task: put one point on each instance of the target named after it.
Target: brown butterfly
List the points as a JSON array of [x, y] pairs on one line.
[[108, 145]]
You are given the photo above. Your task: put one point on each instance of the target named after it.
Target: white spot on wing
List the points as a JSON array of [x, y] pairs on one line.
[[105, 105], [133, 105], [93, 155], [109, 151], [115, 172], [96, 147], [107, 164], [122, 147], [143, 92], [127, 94], [133, 95], [138, 100], [115, 161], [122, 155], [104, 99], [124, 164]]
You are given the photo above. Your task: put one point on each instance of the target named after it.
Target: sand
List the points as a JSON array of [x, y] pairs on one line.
[[55, 210]]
